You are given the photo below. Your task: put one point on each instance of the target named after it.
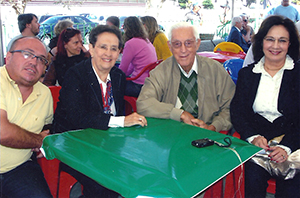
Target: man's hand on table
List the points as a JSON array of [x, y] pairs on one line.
[[43, 134], [188, 118]]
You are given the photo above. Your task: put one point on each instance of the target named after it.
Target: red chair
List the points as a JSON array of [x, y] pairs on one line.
[[272, 186], [130, 101], [59, 182]]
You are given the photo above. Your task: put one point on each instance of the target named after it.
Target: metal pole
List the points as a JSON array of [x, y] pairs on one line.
[[1, 43], [232, 12]]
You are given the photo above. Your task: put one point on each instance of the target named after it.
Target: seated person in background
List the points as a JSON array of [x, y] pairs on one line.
[[138, 52], [70, 51], [235, 34], [188, 87], [58, 28], [157, 37], [26, 106], [113, 20], [92, 96], [266, 103], [247, 31]]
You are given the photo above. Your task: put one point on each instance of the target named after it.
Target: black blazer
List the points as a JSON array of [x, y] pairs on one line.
[[80, 103], [236, 37], [248, 123]]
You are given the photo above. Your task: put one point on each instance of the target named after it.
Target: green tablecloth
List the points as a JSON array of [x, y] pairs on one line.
[[156, 161]]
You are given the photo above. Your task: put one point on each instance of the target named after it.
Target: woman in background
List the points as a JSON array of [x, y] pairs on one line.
[[113, 20], [266, 103], [138, 52], [70, 51], [157, 37], [58, 28]]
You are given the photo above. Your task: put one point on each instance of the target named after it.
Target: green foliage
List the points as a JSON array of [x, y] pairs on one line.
[[249, 2], [207, 4], [182, 1]]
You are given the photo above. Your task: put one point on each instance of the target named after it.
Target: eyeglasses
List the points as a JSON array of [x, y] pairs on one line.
[[27, 55], [188, 43], [281, 41]]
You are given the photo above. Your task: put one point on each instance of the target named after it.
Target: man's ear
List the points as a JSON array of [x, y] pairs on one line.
[[169, 45], [198, 42], [8, 57]]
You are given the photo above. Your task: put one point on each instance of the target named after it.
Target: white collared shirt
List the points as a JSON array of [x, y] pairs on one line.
[[237, 28], [114, 121], [266, 100]]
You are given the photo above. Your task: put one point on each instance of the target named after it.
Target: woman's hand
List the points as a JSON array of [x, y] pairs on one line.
[[278, 154], [135, 119], [261, 141]]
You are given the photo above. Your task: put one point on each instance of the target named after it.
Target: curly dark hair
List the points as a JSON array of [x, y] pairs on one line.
[[134, 28], [267, 24], [96, 31]]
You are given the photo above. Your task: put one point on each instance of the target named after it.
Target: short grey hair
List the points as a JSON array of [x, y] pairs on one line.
[[61, 25], [183, 25], [236, 19]]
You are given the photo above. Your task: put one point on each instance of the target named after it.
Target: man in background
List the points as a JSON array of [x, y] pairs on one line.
[[247, 31], [235, 34], [285, 9], [28, 26]]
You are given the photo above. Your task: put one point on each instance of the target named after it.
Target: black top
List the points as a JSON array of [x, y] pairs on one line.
[[53, 42], [248, 123], [81, 104]]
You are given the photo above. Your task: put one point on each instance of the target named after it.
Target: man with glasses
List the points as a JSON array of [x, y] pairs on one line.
[[187, 87], [247, 31], [26, 106]]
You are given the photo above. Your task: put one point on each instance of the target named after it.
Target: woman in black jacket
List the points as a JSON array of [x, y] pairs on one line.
[[266, 103]]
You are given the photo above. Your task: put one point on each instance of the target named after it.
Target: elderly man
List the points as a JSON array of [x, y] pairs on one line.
[[26, 106], [187, 87], [235, 34]]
